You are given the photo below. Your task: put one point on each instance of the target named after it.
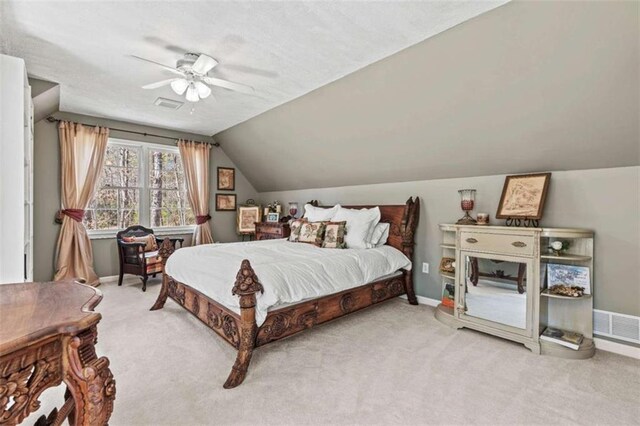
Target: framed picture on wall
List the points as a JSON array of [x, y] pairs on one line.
[[523, 196], [247, 218], [226, 179], [225, 202]]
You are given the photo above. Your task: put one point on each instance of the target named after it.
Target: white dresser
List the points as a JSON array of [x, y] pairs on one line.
[[498, 284]]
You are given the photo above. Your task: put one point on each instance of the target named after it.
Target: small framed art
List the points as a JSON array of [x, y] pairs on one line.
[[523, 196], [273, 217], [247, 218], [226, 179], [225, 202]]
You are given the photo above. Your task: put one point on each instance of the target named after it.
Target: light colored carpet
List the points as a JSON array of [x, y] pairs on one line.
[[391, 364]]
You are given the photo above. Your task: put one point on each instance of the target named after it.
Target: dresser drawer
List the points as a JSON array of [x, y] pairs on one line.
[[498, 243], [275, 230]]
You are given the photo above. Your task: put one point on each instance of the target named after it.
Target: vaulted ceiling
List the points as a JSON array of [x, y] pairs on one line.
[[283, 49], [530, 86]]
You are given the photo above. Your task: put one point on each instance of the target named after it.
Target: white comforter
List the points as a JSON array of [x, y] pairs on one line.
[[289, 272]]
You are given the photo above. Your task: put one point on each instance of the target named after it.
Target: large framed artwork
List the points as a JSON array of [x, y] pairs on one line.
[[226, 179], [225, 202], [523, 196], [247, 218]]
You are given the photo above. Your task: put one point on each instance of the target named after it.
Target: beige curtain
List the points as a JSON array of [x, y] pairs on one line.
[[195, 158], [82, 152]]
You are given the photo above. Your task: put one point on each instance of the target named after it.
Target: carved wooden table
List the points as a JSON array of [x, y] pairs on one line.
[[47, 336]]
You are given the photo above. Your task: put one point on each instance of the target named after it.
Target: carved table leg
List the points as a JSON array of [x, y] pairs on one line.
[[88, 379], [166, 249], [246, 286]]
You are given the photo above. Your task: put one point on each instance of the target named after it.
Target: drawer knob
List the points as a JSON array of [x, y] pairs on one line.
[[518, 244], [471, 240]]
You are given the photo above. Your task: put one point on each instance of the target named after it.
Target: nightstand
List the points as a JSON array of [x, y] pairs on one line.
[[272, 230]]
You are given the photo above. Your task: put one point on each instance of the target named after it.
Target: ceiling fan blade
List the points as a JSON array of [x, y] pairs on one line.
[[204, 64], [166, 67], [160, 83], [238, 87]]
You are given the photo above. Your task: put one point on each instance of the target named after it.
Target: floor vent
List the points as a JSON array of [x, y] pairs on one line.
[[168, 103], [618, 326]]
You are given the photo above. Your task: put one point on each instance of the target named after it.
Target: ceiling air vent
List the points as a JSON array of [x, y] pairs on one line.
[[168, 103]]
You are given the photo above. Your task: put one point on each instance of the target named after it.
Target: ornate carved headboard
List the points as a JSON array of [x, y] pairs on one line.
[[403, 219]]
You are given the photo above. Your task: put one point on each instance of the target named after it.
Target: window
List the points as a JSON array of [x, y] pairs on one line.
[[140, 184]]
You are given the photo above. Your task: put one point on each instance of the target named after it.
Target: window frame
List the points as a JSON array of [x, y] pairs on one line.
[[144, 191]]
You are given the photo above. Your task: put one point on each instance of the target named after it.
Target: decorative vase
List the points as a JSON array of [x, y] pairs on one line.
[[467, 202]]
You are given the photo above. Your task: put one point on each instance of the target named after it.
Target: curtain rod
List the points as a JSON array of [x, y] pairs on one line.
[[52, 119]]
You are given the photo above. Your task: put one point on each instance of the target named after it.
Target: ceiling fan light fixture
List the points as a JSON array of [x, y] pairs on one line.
[[192, 93], [179, 85], [203, 90]]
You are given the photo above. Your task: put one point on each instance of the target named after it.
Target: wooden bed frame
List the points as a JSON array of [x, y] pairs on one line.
[[242, 331]]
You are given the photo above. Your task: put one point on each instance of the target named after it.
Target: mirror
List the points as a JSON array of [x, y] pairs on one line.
[[495, 290]]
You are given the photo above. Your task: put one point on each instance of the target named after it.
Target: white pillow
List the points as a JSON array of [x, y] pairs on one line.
[[380, 235], [360, 225], [319, 214]]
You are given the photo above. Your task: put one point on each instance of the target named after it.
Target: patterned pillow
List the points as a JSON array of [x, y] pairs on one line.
[[296, 227], [334, 235], [312, 233]]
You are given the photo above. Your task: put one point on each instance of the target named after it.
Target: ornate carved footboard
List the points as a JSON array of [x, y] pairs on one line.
[[242, 332]]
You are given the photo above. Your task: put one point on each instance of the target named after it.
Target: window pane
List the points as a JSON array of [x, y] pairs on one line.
[[123, 156], [106, 219], [165, 170], [106, 199], [119, 176], [129, 199], [89, 219], [171, 217], [169, 199], [127, 218]]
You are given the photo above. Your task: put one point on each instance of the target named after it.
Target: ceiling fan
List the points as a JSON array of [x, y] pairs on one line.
[[194, 80]]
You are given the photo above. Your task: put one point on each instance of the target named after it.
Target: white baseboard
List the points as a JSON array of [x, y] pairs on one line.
[[109, 279], [425, 300], [617, 348], [601, 344]]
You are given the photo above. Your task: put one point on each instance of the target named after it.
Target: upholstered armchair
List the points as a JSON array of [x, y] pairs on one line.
[[138, 253]]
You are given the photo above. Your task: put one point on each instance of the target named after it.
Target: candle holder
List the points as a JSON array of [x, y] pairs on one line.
[[467, 202]]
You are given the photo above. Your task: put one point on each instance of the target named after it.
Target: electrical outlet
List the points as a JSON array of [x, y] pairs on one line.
[[425, 268]]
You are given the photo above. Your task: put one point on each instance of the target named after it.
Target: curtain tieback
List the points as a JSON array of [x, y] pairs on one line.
[[202, 219], [75, 214]]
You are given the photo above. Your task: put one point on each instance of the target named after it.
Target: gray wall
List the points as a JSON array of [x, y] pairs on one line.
[[529, 86], [605, 200], [47, 193]]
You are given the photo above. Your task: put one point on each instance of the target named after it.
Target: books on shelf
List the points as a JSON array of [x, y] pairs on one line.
[[448, 295], [568, 339]]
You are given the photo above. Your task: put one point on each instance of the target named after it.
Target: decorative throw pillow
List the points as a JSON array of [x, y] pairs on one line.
[[319, 214], [334, 235], [312, 233], [149, 240], [296, 227], [360, 225]]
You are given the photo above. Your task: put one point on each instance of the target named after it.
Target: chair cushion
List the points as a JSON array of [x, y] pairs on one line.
[[149, 240]]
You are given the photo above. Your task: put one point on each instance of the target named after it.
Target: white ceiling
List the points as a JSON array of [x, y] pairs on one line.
[[283, 49]]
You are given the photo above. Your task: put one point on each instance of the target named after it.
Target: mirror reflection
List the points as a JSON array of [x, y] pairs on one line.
[[495, 290]]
